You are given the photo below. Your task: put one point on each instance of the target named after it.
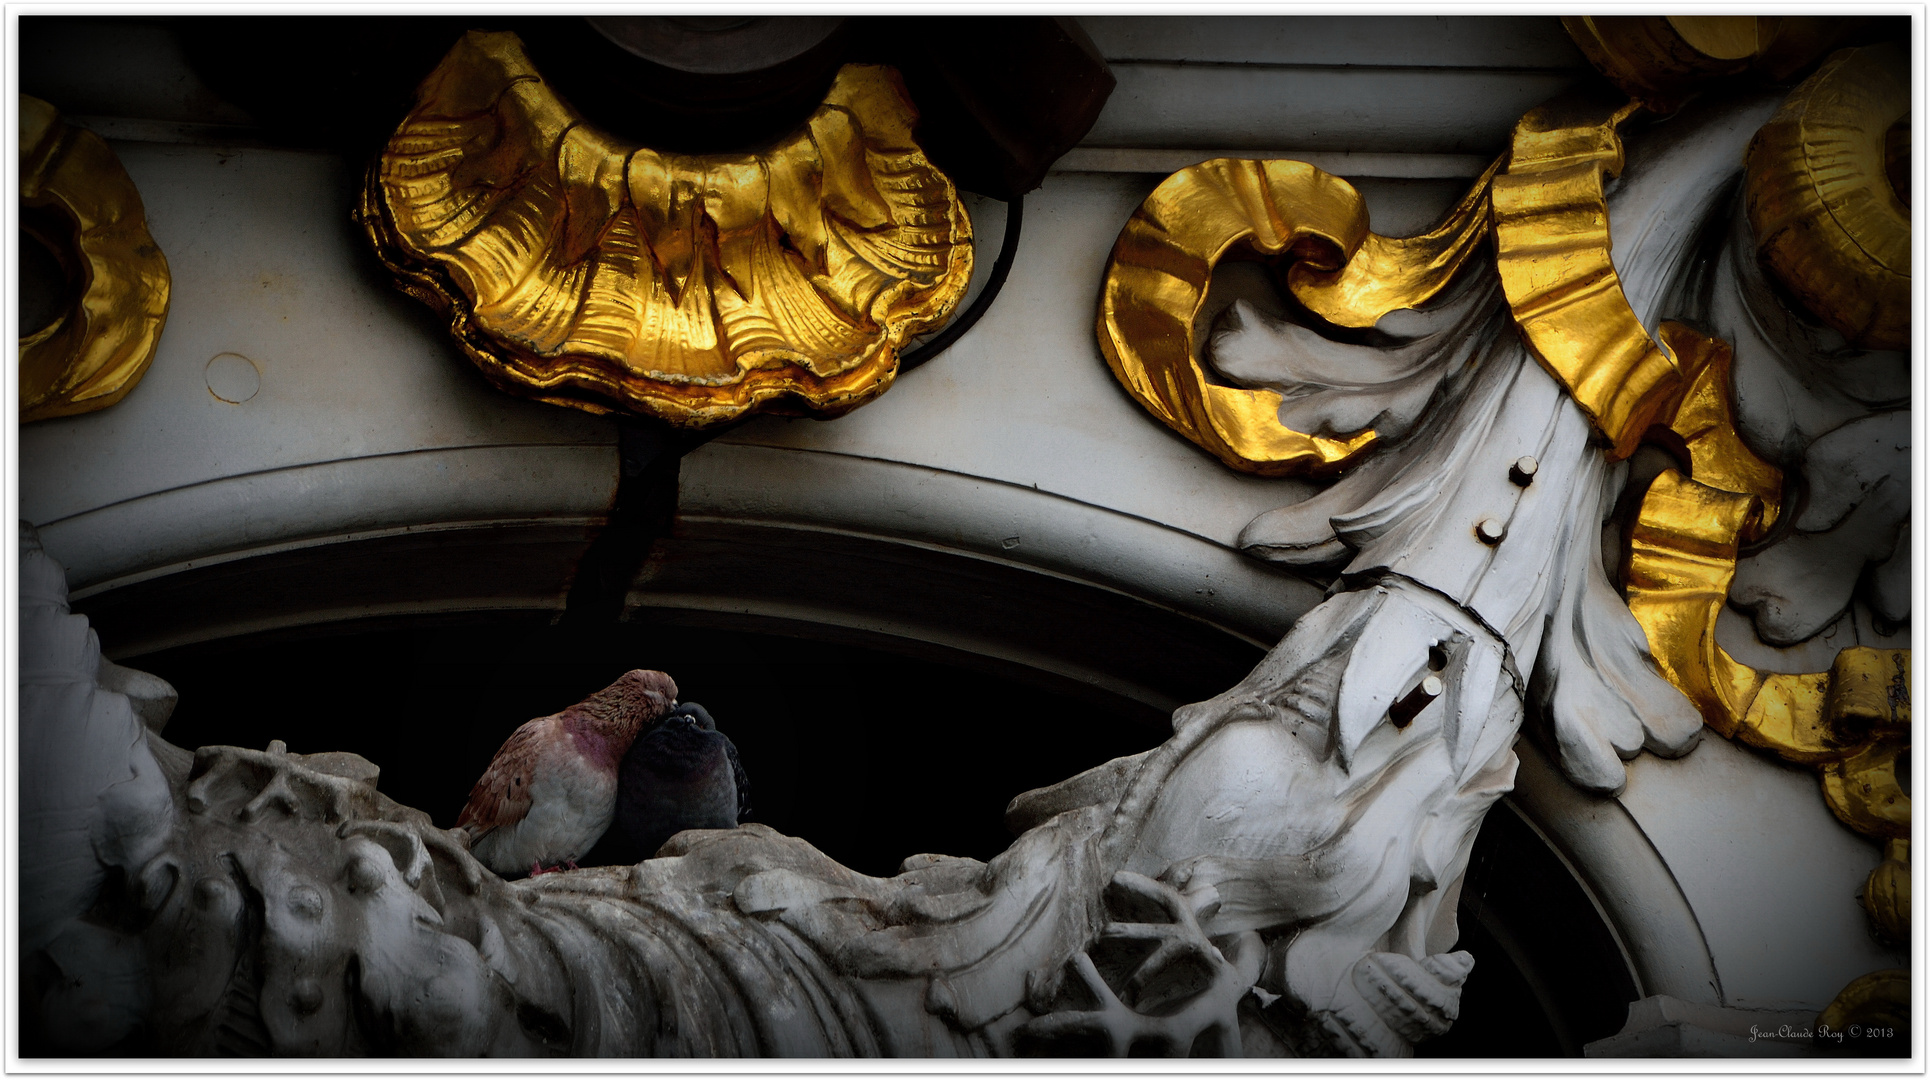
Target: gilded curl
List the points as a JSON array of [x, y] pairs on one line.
[[1821, 195], [1157, 278]]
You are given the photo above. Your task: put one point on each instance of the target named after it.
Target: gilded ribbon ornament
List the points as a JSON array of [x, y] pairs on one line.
[[1552, 250], [1551, 232], [1825, 232], [584, 271], [92, 220]]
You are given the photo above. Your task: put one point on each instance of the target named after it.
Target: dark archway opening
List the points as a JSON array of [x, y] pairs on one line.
[[870, 756]]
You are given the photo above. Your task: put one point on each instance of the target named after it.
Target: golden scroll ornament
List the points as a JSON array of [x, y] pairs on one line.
[[1822, 195], [1545, 209], [1553, 254], [1851, 723], [1157, 278], [583, 271], [90, 217], [1879, 1000]]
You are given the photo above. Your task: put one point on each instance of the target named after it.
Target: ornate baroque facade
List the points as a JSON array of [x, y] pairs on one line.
[[1408, 517]]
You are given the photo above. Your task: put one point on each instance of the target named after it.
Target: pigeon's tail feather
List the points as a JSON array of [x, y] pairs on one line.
[[740, 778]]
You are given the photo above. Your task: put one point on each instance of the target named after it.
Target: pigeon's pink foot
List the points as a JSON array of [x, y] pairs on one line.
[[536, 869], [571, 863]]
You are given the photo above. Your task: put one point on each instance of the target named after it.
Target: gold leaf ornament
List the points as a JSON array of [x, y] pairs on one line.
[[1663, 60], [1851, 723], [1546, 208], [1552, 250], [96, 350], [1829, 221], [1162, 265], [1880, 999], [584, 271]]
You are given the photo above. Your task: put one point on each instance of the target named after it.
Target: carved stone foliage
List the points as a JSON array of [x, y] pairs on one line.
[[80, 203], [1630, 259], [582, 271]]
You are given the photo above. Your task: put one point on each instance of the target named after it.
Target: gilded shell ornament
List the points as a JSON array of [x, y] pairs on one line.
[[83, 206], [581, 270], [1830, 221]]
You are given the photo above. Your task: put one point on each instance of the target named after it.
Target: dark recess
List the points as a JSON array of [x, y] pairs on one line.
[[1548, 977], [870, 756], [1000, 97]]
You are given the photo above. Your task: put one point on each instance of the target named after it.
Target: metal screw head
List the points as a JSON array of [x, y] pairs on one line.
[[1491, 530], [1522, 472]]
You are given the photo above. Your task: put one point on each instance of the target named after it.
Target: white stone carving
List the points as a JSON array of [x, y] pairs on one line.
[[1279, 877], [276, 902]]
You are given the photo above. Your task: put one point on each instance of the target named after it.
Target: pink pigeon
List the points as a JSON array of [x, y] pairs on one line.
[[551, 791]]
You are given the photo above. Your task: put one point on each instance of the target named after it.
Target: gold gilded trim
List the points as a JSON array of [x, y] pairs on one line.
[[1851, 722], [1880, 999], [1863, 791], [1886, 893], [1391, 273], [1662, 60], [1162, 265], [94, 353], [1828, 221], [1659, 59], [1683, 558], [583, 271], [1706, 424], [1552, 250], [1156, 281]]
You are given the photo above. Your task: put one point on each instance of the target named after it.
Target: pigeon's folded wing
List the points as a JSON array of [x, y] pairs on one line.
[[501, 797]]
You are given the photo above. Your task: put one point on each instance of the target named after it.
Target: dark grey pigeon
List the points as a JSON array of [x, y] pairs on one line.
[[680, 774]]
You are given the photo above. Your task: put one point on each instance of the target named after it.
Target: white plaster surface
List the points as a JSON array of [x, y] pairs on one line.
[[266, 265], [1423, 41], [1455, 110], [1026, 398], [1772, 875], [1410, 84]]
